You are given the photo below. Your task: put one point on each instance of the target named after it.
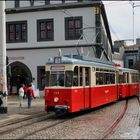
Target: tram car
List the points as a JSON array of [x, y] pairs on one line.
[[75, 83]]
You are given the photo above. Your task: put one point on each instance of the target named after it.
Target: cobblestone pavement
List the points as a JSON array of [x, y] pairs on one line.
[[14, 111], [129, 128], [91, 125]]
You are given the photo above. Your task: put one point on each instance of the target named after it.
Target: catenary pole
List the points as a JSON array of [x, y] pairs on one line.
[[3, 76]]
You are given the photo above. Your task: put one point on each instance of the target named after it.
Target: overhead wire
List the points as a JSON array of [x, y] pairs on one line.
[[68, 13], [116, 4]]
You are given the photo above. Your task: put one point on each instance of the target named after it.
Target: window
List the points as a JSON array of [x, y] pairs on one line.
[[45, 30], [41, 77], [75, 76], [17, 3], [130, 63], [105, 77], [87, 76], [47, 2], [68, 78], [16, 31], [73, 26], [57, 78], [63, 1], [32, 2]]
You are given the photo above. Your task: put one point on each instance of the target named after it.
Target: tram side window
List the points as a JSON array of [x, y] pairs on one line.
[[87, 76], [120, 79], [105, 78], [112, 78], [109, 78], [99, 78], [81, 77], [68, 78], [75, 76], [125, 77], [135, 77]]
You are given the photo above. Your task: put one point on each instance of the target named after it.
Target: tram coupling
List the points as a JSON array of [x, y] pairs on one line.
[[61, 109]]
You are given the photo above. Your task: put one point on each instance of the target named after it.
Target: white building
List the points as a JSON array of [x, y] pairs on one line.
[[36, 30]]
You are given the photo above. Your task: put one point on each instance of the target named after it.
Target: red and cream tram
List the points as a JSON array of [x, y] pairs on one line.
[[74, 84], [128, 82]]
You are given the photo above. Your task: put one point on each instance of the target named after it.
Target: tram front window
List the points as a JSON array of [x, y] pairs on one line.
[[57, 78]]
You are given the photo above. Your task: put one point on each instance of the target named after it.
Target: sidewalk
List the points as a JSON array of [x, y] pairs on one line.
[[14, 111]]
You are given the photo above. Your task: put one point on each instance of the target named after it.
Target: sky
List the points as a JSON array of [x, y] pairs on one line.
[[120, 19]]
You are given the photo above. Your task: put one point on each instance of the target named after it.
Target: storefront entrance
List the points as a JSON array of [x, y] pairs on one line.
[[18, 73]]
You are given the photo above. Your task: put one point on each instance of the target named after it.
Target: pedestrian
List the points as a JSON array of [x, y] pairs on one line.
[[25, 91], [33, 84], [21, 94], [30, 94]]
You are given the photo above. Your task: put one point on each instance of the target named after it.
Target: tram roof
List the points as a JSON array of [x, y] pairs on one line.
[[83, 60], [128, 70]]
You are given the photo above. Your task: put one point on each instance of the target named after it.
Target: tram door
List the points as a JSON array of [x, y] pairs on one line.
[[123, 84], [85, 82]]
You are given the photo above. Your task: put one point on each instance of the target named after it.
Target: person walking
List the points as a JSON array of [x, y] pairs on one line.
[[25, 91], [30, 95], [33, 84], [21, 94]]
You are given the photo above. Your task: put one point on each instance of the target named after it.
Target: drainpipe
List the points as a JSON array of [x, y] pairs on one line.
[[3, 76]]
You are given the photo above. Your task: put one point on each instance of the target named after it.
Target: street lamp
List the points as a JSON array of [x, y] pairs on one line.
[[3, 76], [133, 6]]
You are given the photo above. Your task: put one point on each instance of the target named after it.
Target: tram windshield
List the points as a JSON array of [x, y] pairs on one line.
[[79, 76], [59, 78]]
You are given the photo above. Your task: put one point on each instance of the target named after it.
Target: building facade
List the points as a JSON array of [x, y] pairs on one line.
[[36, 30], [126, 55], [118, 56]]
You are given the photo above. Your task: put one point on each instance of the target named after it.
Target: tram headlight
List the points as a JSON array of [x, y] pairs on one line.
[[56, 99]]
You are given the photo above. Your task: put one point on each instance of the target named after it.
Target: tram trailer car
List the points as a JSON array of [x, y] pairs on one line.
[[74, 84]]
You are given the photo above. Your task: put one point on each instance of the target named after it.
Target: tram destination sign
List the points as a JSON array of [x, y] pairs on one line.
[[57, 68], [57, 60]]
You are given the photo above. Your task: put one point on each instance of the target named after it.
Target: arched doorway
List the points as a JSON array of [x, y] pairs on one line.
[[20, 73]]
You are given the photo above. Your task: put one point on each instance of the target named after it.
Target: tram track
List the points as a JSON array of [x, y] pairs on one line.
[[23, 122], [117, 121], [14, 121], [49, 122], [43, 128], [138, 98], [111, 130]]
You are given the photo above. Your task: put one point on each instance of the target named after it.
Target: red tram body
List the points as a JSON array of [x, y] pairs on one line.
[[74, 84]]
